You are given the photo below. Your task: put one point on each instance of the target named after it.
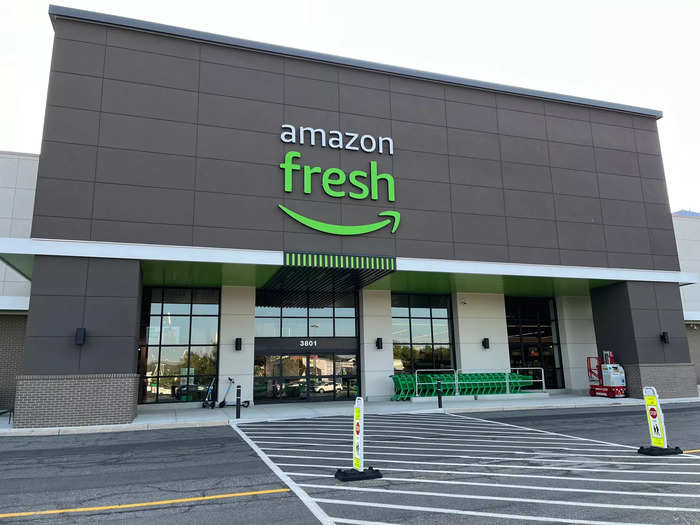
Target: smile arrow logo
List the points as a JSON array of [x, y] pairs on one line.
[[339, 229]]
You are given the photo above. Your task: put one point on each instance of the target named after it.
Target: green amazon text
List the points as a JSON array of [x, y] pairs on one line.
[[333, 180]]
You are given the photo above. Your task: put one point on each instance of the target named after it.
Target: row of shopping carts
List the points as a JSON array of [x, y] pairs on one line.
[[407, 386]]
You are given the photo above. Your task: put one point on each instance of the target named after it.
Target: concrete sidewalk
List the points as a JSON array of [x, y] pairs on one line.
[[183, 415]]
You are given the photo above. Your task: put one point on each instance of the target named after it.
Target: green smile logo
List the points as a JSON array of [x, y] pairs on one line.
[[339, 229], [363, 185]]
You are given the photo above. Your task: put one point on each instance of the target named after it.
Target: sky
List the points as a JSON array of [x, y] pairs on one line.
[[636, 52]]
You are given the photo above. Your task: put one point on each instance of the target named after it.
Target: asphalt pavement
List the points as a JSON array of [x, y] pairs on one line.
[[547, 466], [446, 468], [624, 425], [124, 468]]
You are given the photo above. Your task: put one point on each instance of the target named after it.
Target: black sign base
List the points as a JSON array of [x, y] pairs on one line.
[[357, 475], [659, 451]]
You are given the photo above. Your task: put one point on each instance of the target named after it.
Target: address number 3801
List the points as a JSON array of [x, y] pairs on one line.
[[308, 342]]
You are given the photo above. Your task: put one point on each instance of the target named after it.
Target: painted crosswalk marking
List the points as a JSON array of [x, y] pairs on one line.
[[464, 469]]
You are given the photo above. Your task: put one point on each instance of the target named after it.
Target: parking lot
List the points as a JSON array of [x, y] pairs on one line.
[[176, 476], [448, 468]]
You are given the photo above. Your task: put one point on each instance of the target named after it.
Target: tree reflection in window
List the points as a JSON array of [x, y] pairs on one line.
[[180, 343], [421, 332]]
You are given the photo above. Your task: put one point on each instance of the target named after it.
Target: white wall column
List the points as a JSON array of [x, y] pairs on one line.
[[376, 365], [237, 320], [577, 335], [477, 316]]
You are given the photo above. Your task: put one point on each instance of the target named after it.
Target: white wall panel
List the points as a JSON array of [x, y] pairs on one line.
[[376, 365], [18, 174], [237, 320]]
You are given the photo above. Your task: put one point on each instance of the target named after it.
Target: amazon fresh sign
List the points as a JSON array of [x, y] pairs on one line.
[[358, 184]]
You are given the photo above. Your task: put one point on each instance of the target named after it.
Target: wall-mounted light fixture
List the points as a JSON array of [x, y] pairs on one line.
[[80, 335], [485, 343], [665, 339], [238, 344], [379, 343]]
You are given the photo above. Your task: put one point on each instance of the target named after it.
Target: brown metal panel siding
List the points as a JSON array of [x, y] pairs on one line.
[[177, 142], [102, 296]]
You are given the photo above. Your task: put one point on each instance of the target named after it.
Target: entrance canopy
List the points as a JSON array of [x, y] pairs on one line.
[[198, 266]]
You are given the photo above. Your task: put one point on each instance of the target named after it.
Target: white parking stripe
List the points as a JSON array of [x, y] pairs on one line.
[[432, 438], [301, 494], [501, 474], [360, 522], [465, 456], [403, 426], [456, 423], [404, 447], [439, 510], [461, 443], [529, 466], [501, 498], [369, 429], [512, 486], [544, 431], [493, 465]]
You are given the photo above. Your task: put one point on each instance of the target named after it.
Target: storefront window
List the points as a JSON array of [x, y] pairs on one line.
[[304, 315], [421, 332], [180, 343]]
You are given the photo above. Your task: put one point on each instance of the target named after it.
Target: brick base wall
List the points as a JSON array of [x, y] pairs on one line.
[[670, 380], [12, 328], [693, 331], [75, 400]]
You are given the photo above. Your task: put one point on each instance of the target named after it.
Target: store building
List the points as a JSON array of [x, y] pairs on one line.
[[308, 225], [686, 224], [18, 173]]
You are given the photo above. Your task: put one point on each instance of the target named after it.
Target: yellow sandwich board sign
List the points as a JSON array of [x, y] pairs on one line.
[[655, 417], [358, 431]]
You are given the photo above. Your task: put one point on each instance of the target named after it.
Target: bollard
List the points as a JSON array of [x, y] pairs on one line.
[[238, 401], [439, 393]]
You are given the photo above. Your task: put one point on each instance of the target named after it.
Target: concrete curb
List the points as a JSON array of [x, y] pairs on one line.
[[476, 408], [97, 429], [236, 422]]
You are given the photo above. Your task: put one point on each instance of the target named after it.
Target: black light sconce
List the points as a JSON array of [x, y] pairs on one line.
[[379, 343], [665, 339], [80, 335], [238, 345], [485, 343]]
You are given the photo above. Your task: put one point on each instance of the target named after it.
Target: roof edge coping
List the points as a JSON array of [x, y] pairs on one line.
[[142, 25]]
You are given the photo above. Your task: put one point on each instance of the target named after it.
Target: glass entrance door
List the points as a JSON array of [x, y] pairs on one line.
[[533, 338], [305, 377], [306, 347]]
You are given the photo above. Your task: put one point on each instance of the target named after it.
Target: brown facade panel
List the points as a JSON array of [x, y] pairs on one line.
[[629, 319], [102, 296], [189, 152]]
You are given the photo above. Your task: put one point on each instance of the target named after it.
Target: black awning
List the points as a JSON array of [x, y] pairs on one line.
[[322, 277]]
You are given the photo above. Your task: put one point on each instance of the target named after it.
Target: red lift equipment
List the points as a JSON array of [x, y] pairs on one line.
[[606, 378]]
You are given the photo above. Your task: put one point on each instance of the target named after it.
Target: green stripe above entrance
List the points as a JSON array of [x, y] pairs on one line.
[[324, 276], [327, 260]]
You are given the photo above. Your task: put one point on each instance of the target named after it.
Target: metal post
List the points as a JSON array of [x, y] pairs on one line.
[[439, 393], [507, 382], [238, 401], [544, 387]]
